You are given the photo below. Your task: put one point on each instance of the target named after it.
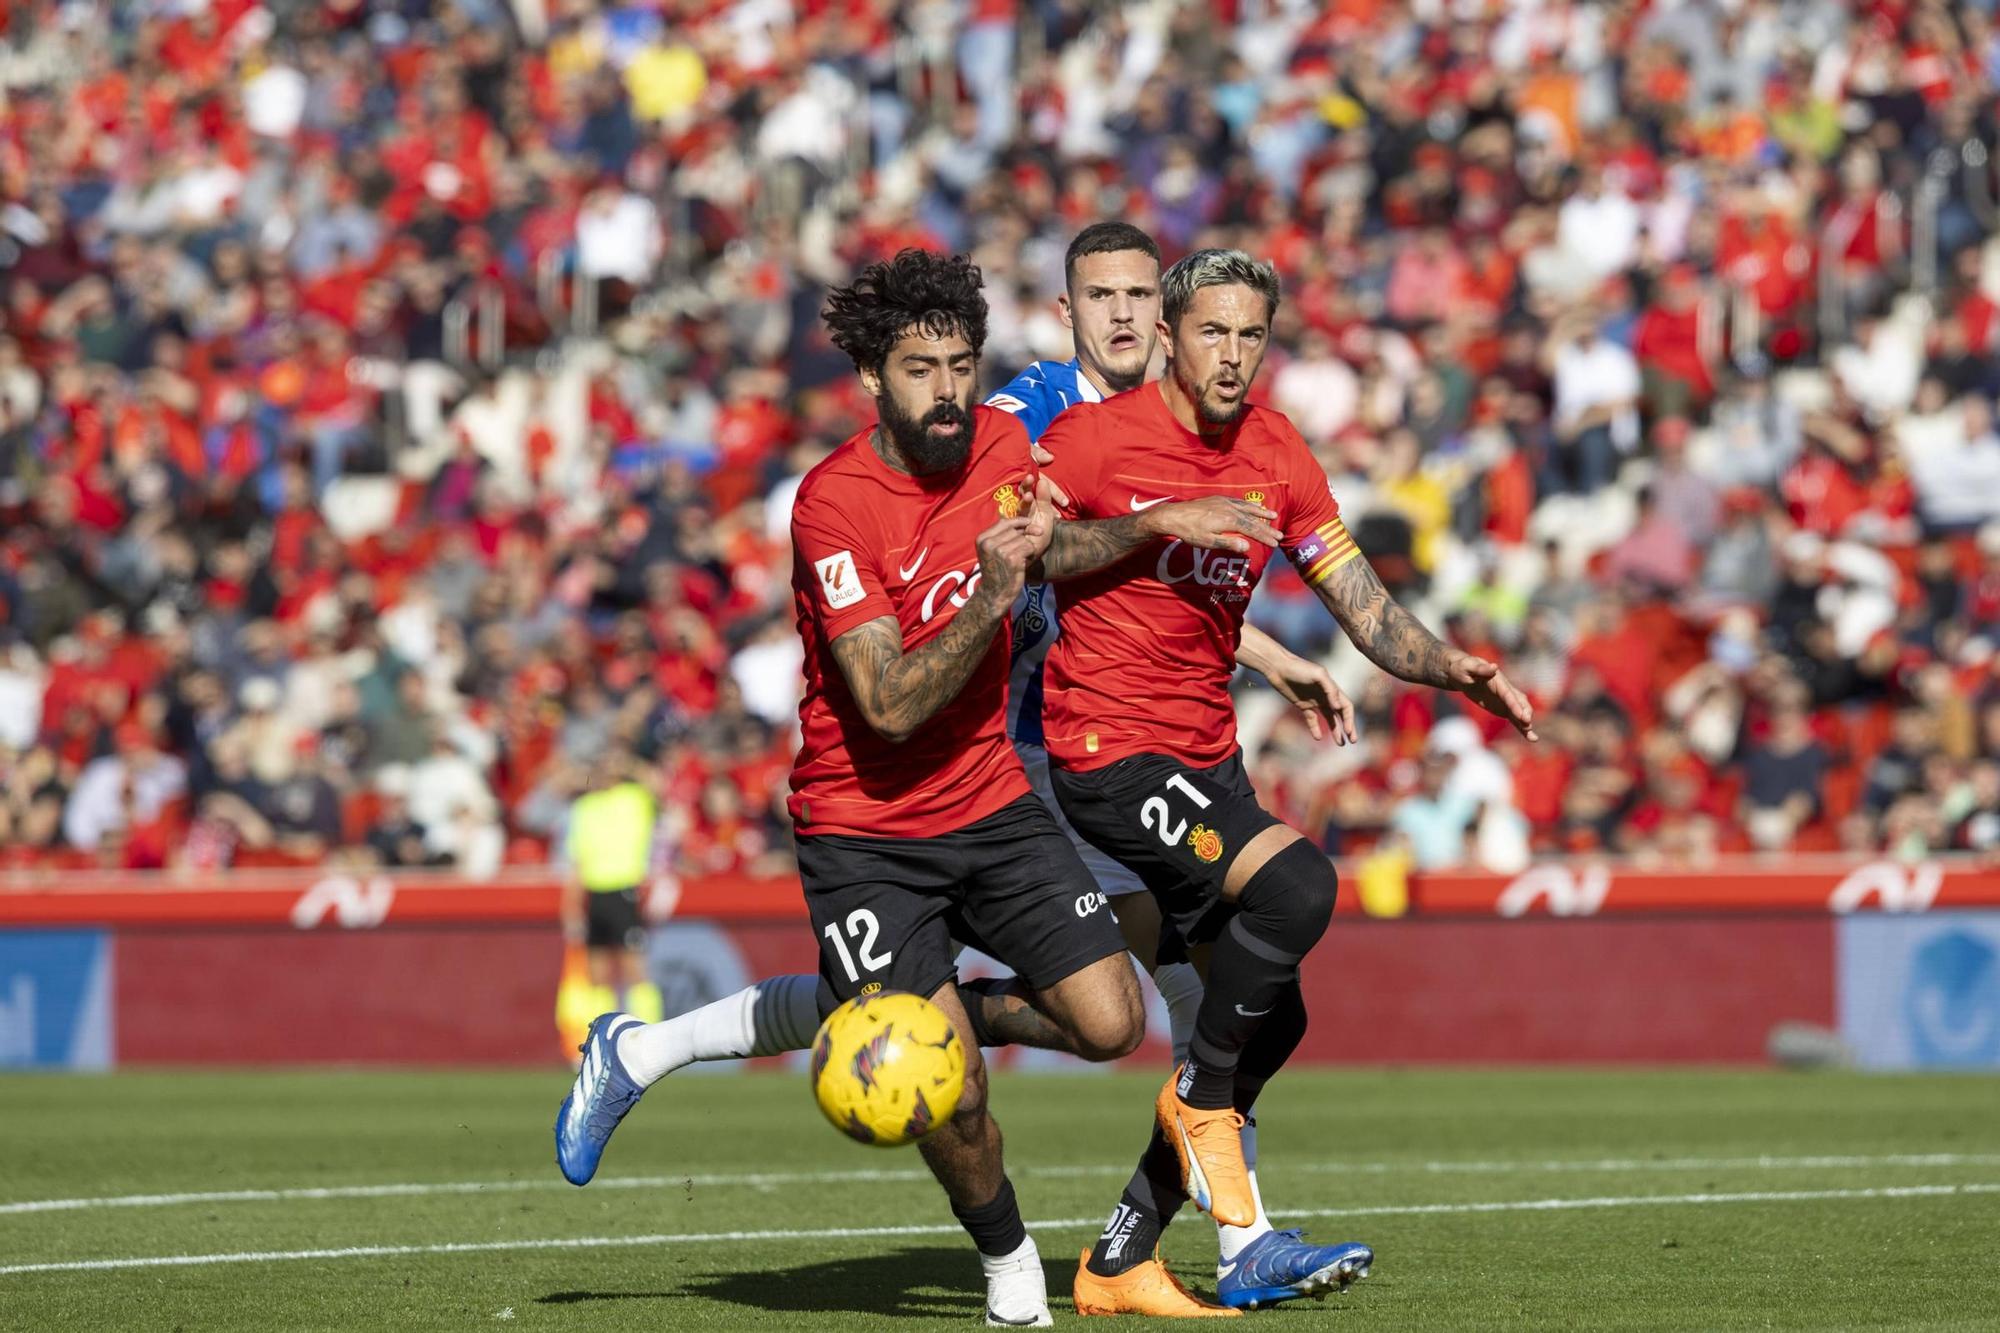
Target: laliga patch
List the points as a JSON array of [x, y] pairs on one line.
[[838, 580], [1007, 402]]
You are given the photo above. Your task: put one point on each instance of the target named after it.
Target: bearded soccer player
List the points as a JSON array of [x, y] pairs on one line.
[[1111, 304], [1141, 733], [914, 819]]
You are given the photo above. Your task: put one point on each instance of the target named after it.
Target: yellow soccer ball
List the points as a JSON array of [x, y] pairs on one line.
[[887, 1069]]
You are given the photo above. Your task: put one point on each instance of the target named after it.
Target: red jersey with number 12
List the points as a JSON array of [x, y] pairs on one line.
[[869, 541], [1148, 645]]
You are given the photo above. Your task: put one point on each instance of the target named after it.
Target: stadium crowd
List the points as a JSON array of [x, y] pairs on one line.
[[400, 400]]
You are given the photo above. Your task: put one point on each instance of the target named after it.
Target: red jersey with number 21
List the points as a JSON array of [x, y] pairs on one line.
[[1148, 645], [869, 541]]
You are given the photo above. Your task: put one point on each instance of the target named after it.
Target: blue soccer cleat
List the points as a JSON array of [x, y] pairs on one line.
[[602, 1094], [1283, 1266]]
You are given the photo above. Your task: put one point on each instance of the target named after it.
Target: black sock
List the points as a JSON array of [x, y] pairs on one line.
[[1205, 1086], [995, 1226], [1144, 1210], [1254, 964], [1273, 1044], [1246, 979]]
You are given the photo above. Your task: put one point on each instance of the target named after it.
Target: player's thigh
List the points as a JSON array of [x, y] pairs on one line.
[[1031, 904], [1099, 1006], [878, 908], [1178, 827]]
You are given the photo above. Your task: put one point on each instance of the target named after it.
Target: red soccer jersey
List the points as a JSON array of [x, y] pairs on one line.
[[869, 541], [1142, 664]]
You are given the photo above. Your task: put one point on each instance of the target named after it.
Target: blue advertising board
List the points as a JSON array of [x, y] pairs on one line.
[[1921, 991], [55, 999]]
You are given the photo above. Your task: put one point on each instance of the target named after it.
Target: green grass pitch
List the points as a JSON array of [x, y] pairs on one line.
[[1587, 1200]]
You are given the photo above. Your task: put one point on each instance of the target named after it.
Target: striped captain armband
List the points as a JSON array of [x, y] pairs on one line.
[[1323, 550]]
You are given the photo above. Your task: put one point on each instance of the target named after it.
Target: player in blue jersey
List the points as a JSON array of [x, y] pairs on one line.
[[1111, 304]]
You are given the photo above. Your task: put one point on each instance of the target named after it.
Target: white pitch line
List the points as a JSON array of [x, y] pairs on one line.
[[1058, 1224], [772, 1179]]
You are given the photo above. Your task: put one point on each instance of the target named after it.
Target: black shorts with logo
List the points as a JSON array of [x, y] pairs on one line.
[[611, 920], [885, 910], [1175, 826]]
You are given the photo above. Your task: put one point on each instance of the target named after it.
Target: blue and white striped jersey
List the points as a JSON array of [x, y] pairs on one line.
[[1038, 395]]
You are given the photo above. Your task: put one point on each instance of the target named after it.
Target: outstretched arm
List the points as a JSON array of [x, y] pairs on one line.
[[1396, 641], [1303, 683]]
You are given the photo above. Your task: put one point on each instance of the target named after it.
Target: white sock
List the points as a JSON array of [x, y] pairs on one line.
[[1180, 987], [1017, 1290], [1234, 1239], [776, 1015]]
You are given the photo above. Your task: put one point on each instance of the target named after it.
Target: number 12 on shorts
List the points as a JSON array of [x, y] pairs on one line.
[[864, 930], [1155, 815]]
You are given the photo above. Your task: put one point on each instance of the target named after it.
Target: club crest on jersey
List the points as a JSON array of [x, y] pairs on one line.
[[1254, 497], [1008, 498], [1207, 843]]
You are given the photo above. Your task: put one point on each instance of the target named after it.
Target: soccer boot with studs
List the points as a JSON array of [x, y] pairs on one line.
[[1284, 1266], [603, 1092], [1148, 1289], [1210, 1147]]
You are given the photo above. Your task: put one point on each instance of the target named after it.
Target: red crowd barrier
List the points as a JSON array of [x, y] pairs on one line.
[[1570, 961]]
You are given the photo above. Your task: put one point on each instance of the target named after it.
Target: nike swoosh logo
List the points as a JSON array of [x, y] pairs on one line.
[[1251, 1013], [1138, 504], [1224, 1271], [911, 572]]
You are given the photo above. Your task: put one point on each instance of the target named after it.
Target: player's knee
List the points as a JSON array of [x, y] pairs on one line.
[[1114, 1025], [1289, 901], [972, 1098]]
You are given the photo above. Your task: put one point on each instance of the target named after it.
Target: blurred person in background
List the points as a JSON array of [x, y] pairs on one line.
[[608, 848]]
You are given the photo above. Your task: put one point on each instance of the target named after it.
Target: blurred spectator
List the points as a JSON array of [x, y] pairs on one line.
[[424, 392], [1596, 397], [1434, 820], [395, 839], [1784, 775], [133, 785]]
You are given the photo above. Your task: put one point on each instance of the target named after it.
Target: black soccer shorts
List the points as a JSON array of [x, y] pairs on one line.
[[611, 920], [885, 909], [1175, 826]]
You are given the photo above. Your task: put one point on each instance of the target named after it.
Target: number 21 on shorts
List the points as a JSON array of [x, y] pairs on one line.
[[1155, 814], [864, 930]]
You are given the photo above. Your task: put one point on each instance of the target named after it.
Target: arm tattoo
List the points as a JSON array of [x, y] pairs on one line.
[[1386, 634], [898, 691], [1080, 547]]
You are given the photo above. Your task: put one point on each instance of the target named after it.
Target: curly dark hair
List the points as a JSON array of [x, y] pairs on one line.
[[917, 290]]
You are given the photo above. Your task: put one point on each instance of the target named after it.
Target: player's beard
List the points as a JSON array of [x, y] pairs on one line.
[[1213, 411], [926, 451]]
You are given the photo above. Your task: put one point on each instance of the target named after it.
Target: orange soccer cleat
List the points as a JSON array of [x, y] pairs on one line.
[[1148, 1289], [1210, 1146]]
